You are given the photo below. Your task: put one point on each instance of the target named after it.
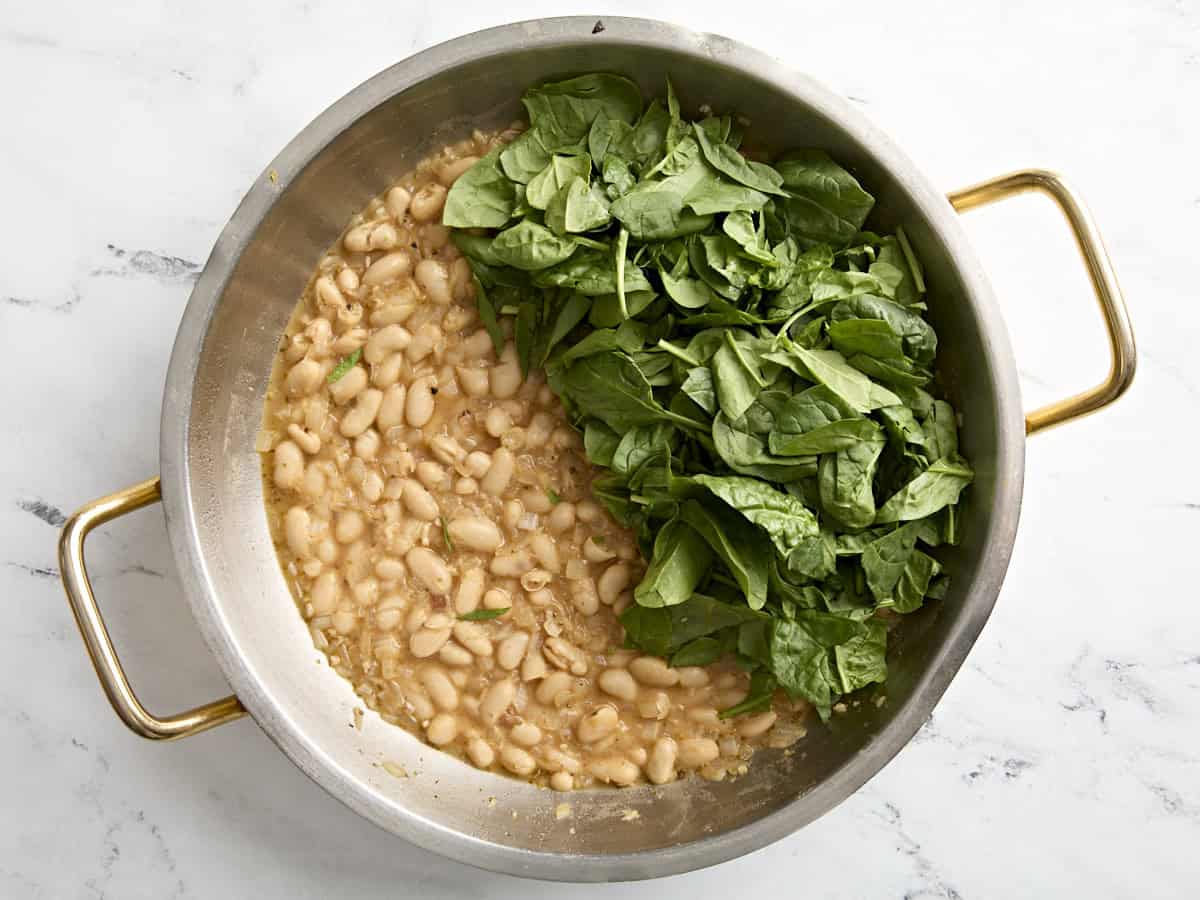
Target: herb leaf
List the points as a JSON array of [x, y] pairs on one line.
[[345, 365]]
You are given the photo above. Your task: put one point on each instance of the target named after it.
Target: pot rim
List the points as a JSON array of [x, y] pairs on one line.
[[190, 556]]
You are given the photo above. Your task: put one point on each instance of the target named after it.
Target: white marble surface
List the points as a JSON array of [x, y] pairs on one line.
[[1065, 758]]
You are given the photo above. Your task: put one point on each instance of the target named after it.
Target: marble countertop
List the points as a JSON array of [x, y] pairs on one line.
[[1065, 758]]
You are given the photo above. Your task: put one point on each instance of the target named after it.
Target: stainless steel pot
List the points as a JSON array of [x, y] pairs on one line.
[[212, 492]]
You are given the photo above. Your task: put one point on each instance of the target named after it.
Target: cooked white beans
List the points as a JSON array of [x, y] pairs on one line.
[[512, 650], [430, 569], [430, 482], [618, 683], [418, 409], [476, 533], [387, 268], [442, 729], [496, 700]]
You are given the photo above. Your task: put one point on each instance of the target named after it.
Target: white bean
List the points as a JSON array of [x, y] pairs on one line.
[[428, 641], [481, 752], [441, 689], [470, 591], [433, 278], [289, 466], [359, 419], [753, 726], [512, 650], [475, 533], [349, 385], [454, 655], [583, 596], [325, 593], [303, 378], [598, 724], [424, 342], [472, 636], [427, 203], [618, 683], [430, 474], [419, 501], [561, 518], [430, 569], [511, 565], [553, 686], [386, 341], [397, 201], [613, 580], [474, 382], [614, 769], [497, 421], [349, 526], [391, 408], [499, 473], [418, 408], [526, 734], [447, 449], [517, 760], [660, 767], [442, 729], [496, 699], [697, 752], [545, 551], [692, 677], [562, 782], [565, 655], [296, 529], [653, 671], [505, 379], [388, 268], [476, 464]]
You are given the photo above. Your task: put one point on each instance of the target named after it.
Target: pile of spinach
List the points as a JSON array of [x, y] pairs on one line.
[[749, 365]]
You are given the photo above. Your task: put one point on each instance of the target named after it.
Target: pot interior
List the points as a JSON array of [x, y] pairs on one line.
[[214, 403]]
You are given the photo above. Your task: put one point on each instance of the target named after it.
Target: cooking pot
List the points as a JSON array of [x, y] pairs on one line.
[[211, 487]]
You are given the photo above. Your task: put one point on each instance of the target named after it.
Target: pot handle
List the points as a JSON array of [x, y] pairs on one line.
[[1100, 271], [95, 634]]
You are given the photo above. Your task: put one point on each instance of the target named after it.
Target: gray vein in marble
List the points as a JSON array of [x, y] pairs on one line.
[[61, 306], [35, 571], [929, 882], [133, 263], [51, 515]]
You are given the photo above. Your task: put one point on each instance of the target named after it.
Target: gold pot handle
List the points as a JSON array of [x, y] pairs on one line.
[[95, 634], [1100, 271]]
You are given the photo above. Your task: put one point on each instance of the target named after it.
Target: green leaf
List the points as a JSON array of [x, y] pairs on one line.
[[563, 111], [826, 204], [785, 518], [703, 651], [828, 367], [660, 631], [530, 246], [558, 173], [936, 487], [524, 157], [487, 314], [616, 392], [726, 160], [762, 691], [862, 659], [690, 293], [578, 207], [883, 560], [916, 582], [698, 385], [737, 543], [681, 559], [592, 273], [344, 365], [845, 478], [657, 215], [736, 376], [482, 197], [483, 615]]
